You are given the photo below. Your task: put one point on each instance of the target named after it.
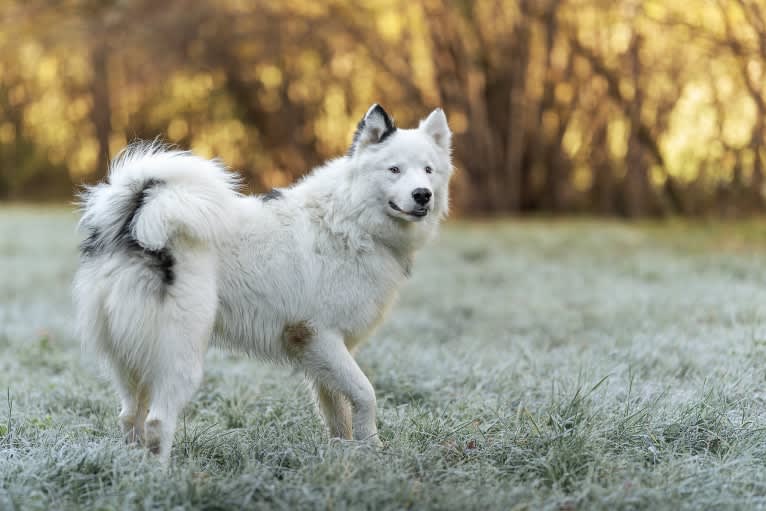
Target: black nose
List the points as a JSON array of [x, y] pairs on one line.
[[421, 195]]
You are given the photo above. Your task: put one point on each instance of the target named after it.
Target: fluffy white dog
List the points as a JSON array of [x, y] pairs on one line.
[[174, 257]]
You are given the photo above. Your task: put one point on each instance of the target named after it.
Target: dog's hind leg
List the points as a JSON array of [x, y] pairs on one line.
[[326, 359], [134, 406], [335, 410], [93, 326], [186, 322], [177, 374]]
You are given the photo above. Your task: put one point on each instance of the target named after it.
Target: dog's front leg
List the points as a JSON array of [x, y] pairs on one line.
[[335, 410], [328, 362]]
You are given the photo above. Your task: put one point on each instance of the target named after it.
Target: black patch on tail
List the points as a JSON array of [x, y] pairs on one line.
[[93, 244], [139, 200], [159, 261], [162, 262], [273, 194]]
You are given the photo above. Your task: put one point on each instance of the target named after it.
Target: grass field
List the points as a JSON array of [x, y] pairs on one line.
[[535, 364]]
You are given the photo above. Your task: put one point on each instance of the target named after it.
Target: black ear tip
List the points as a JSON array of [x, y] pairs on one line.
[[376, 109], [375, 127]]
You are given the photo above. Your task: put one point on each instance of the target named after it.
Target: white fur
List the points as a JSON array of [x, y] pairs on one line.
[[299, 279]]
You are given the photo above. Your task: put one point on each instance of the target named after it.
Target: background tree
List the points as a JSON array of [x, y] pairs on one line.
[[636, 107]]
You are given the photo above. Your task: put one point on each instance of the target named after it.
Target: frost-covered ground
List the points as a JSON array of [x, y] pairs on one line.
[[534, 364]]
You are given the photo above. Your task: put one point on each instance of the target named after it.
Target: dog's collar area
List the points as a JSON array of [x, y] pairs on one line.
[[417, 212]]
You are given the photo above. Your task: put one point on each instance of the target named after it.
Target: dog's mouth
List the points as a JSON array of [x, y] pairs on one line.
[[418, 212]]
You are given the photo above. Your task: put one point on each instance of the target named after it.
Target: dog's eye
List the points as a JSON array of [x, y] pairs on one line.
[[429, 170], [394, 169]]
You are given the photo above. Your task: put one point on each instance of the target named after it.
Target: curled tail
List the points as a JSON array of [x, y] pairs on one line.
[[153, 196], [145, 292]]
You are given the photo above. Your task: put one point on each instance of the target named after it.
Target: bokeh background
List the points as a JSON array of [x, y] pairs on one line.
[[632, 107], [557, 362]]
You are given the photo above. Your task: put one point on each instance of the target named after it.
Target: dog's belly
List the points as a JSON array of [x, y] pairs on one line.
[[244, 327], [262, 324], [274, 282], [258, 328]]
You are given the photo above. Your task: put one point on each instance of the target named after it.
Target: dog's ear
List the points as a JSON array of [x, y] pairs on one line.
[[436, 126], [375, 127]]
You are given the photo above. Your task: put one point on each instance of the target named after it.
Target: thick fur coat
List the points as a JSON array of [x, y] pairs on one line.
[[174, 258]]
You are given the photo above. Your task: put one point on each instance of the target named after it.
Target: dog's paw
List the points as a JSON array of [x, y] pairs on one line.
[[132, 438], [371, 442], [153, 436], [340, 442], [132, 435]]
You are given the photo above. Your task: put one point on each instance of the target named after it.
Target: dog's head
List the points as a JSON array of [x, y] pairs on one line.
[[408, 169]]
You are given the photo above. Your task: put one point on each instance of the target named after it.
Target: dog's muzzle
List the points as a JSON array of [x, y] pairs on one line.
[[418, 212]]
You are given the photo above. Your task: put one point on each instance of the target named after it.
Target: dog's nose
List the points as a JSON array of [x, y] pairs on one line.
[[421, 195]]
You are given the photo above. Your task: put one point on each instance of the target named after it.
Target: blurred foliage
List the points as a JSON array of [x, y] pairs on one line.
[[631, 107]]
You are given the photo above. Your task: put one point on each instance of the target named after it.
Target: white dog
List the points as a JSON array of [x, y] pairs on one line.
[[175, 257]]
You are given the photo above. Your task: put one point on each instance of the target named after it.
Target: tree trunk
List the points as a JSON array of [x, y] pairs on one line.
[[637, 188], [512, 186], [101, 113]]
